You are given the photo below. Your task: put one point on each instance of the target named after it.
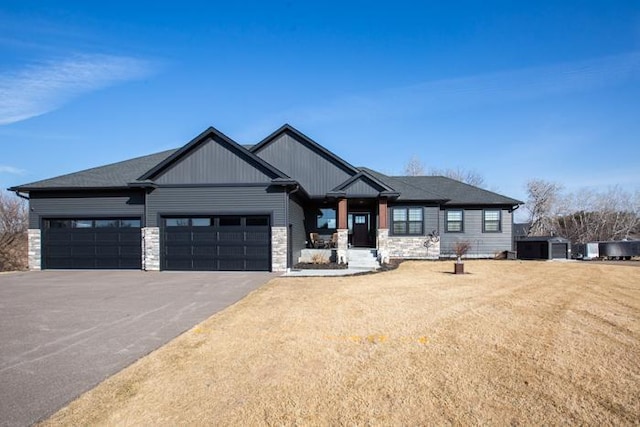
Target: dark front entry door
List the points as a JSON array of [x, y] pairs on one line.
[[360, 230]]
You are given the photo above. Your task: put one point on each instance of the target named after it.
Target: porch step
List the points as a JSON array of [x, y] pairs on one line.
[[363, 258]]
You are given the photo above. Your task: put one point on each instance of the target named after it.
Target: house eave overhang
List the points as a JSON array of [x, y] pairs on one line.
[[69, 188], [143, 184]]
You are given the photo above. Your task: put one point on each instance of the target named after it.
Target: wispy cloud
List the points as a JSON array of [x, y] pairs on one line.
[[473, 91], [11, 170], [46, 86]]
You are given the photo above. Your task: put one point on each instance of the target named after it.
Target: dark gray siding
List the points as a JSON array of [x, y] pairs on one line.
[[298, 232], [215, 163], [312, 170], [84, 203], [362, 188], [482, 244], [216, 200]]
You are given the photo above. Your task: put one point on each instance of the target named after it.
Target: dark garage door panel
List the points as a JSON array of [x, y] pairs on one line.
[[217, 248], [92, 248], [559, 250]]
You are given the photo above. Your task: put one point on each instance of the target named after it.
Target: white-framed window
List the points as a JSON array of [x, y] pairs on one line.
[[454, 221], [491, 221], [407, 221]]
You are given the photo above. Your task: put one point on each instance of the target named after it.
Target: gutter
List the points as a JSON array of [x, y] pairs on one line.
[[22, 196]]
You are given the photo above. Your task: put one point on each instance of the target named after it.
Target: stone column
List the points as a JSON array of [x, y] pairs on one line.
[[35, 249], [279, 248], [343, 233], [151, 248], [383, 245]]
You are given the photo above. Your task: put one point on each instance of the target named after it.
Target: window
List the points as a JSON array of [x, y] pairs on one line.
[[491, 221], [177, 222], [257, 221], [201, 222], [454, 221], [127, 223], [106, 223], [407, 221], [326, 219], [230, 221]]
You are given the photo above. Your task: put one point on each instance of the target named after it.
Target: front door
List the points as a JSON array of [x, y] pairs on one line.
[[360, 230]]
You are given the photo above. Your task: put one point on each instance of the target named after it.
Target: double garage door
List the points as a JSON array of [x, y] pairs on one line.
[[203, 243], [216, 243], [92, 243]]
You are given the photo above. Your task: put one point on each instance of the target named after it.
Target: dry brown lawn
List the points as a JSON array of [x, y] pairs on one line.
[[510, 343]]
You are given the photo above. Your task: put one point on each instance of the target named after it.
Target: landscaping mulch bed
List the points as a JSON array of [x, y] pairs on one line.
[[323, 266]]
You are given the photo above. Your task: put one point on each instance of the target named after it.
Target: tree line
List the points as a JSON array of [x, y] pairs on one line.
[[14, 219], [582, 216]]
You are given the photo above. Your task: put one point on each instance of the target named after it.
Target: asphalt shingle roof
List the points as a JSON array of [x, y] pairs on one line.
[[109, 176], [440, 188]]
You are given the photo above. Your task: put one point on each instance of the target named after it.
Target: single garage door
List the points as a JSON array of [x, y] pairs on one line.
[[92, 243], [559, 250], [217, 243]]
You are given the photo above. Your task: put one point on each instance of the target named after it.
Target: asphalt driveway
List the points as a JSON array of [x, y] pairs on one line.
[[61, 333]]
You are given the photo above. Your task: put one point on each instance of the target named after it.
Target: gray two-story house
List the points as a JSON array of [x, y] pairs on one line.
[[214, 204]]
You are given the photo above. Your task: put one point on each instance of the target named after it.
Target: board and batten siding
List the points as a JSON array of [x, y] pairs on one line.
[[78, 204], [483, 245], [311, 169], [362, 188], [298, 237], [231, 200], [214, 162]]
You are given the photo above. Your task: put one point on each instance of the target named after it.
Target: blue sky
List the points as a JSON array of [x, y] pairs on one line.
[[514, 90]]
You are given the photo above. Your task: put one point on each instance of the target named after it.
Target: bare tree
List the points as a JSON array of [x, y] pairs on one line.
[[588, 216], [470, 177], [13, 233], [414, 167], [542, 206]]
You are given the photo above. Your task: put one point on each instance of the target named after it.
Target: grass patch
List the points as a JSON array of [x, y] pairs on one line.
[[511, 343]]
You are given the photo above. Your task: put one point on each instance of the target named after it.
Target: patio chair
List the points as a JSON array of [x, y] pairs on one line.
[[334, 241], [314, 239]]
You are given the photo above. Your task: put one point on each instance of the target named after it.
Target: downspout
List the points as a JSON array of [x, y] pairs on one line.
[[20, 195]]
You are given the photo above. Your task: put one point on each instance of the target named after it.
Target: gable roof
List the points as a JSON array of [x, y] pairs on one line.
[[287, 128], [221, 138], [114, 175], [363, 177], [140, 171]]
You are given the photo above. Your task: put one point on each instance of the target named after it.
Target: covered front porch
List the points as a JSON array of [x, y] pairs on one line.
[[337, 225]]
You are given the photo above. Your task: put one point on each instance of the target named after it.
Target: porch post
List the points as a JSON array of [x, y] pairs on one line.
[[343, 232], [383, 231]]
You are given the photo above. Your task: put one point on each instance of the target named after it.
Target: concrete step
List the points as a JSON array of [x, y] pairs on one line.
[[363, 258]]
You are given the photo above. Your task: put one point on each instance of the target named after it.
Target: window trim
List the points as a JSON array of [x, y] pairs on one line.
[[407, 222], [447, 222], [484, 221]]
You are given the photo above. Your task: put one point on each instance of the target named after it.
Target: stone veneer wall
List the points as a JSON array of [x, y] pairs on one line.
[[151, 248], [35, 249], [412, 247], [278, 248], [383, 245], [343, 246]]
